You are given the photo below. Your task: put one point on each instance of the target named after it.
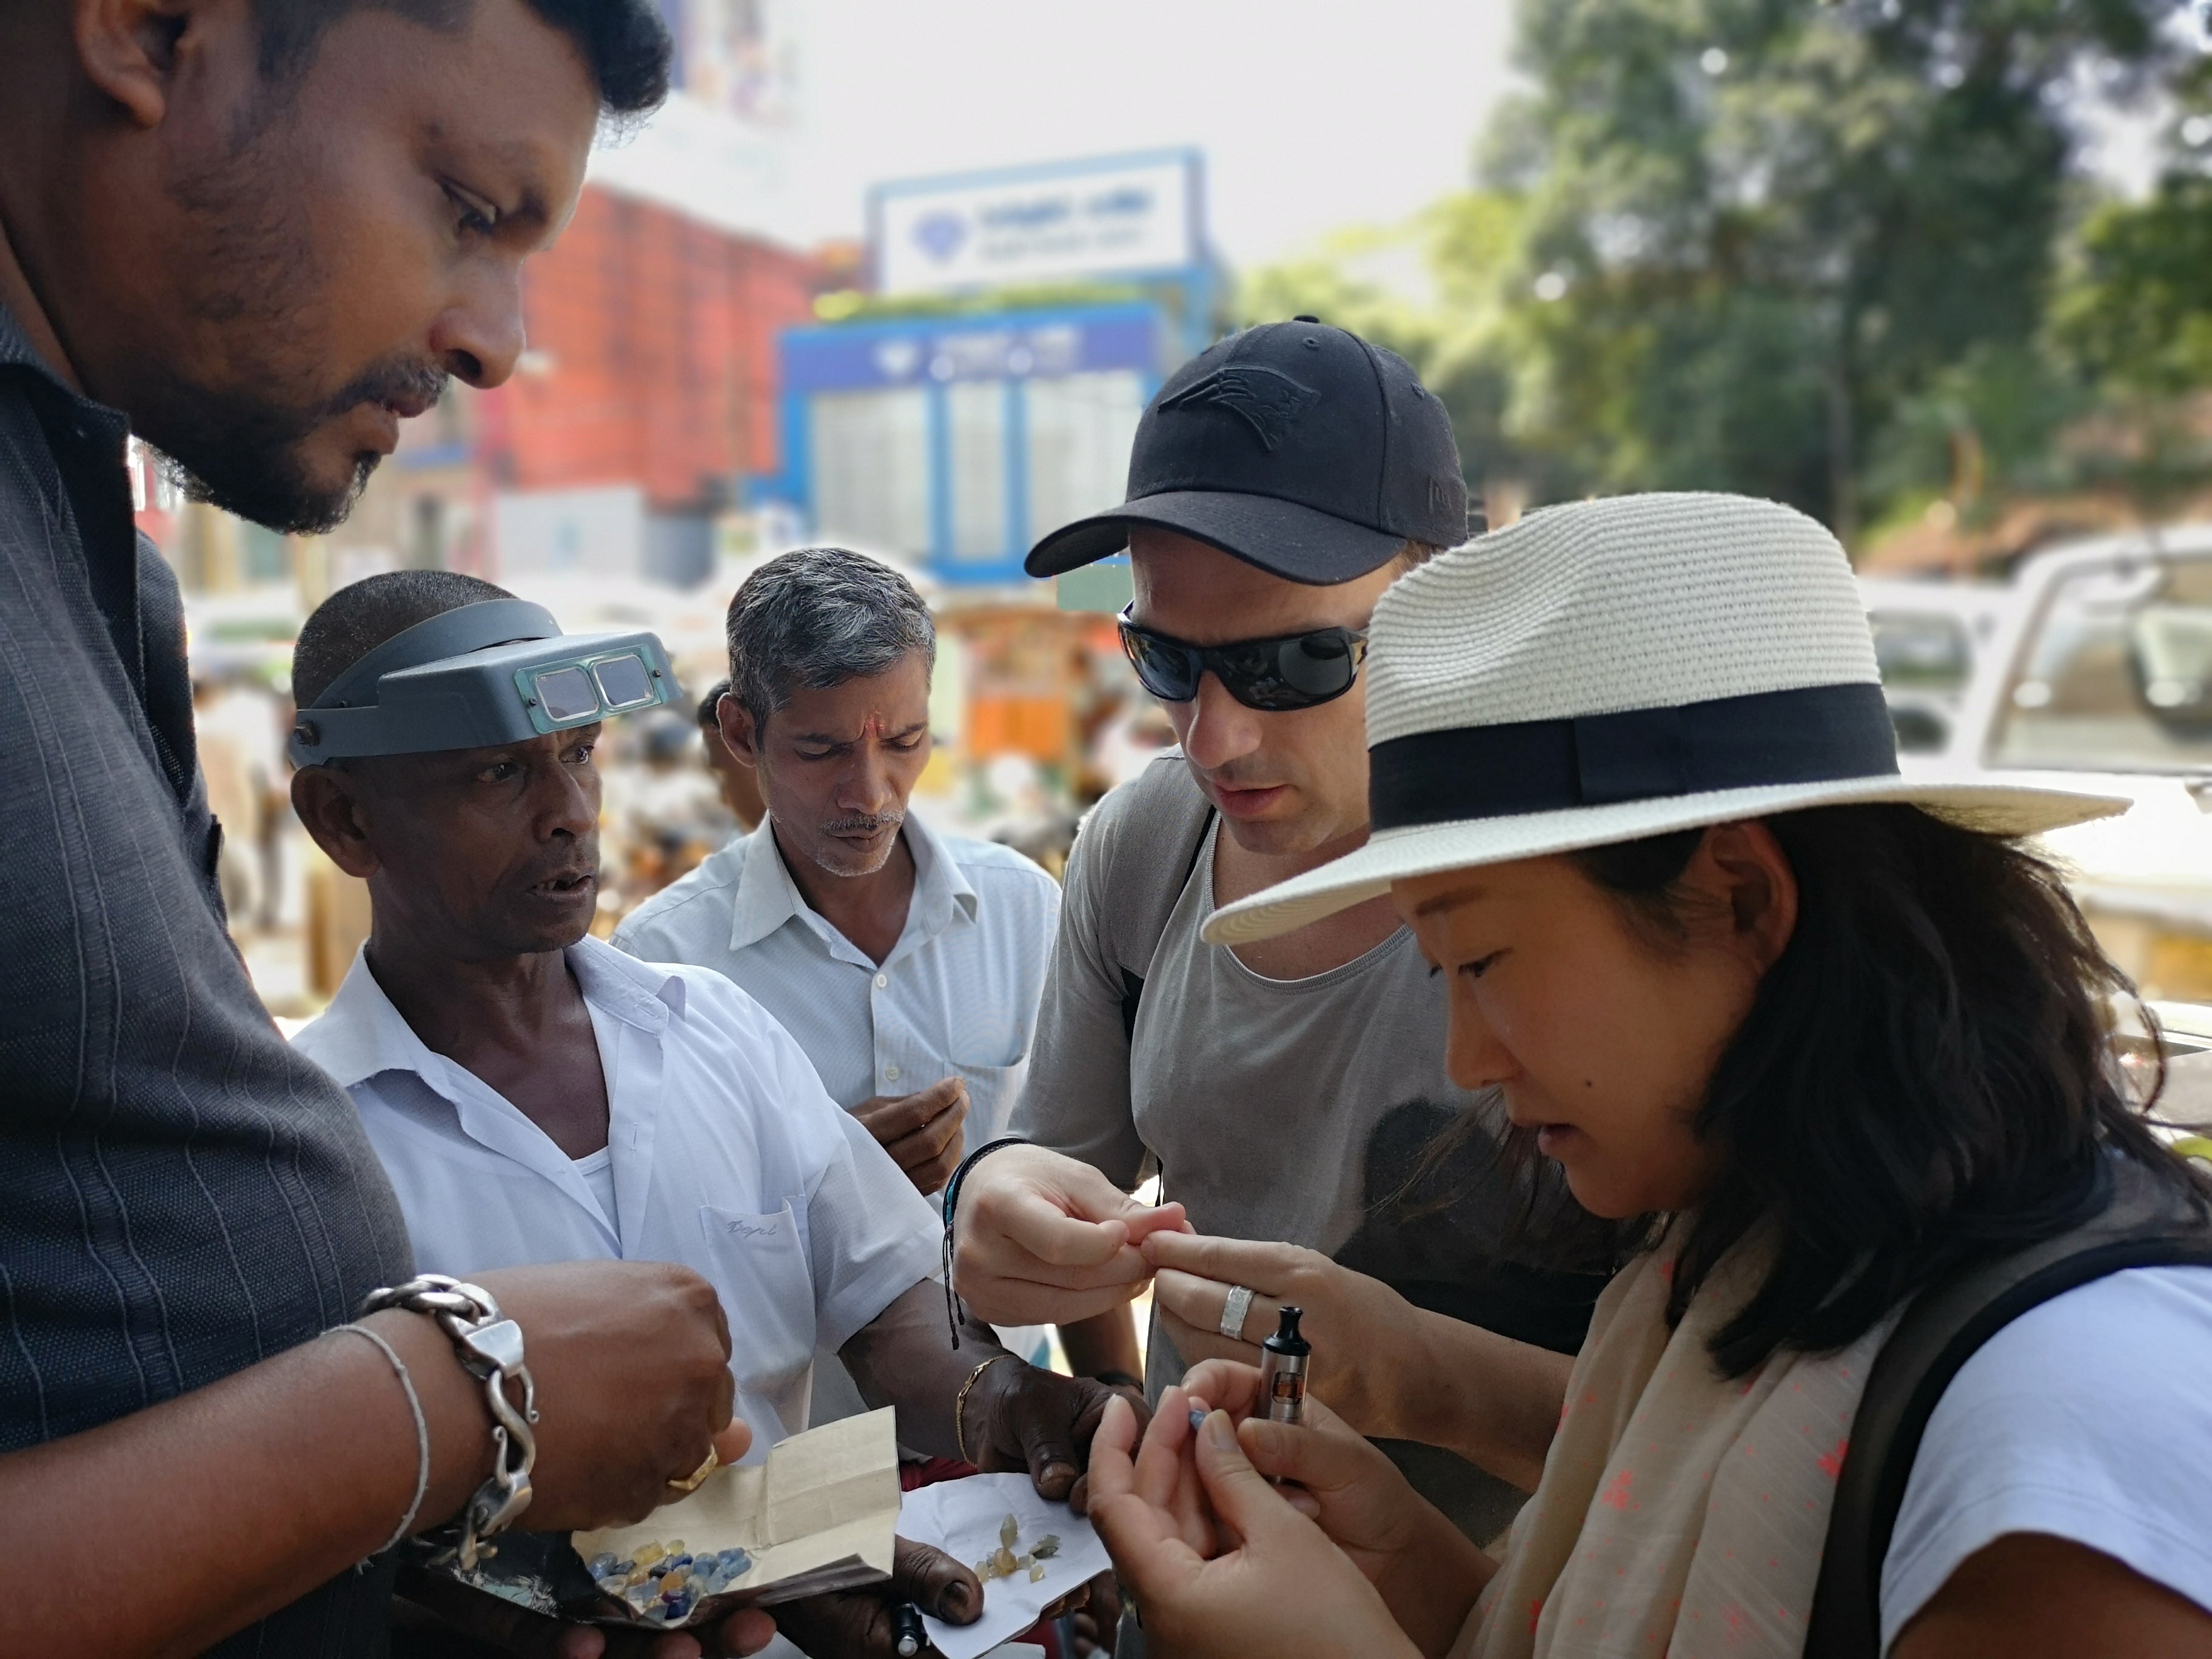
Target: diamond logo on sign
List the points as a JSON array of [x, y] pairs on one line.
[[940, 234], [897, 359]]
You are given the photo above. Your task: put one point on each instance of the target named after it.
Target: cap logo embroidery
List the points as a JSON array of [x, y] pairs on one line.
[[1265, 400]]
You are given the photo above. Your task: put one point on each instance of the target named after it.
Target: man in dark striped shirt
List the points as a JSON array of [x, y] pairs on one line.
[[260, 234]]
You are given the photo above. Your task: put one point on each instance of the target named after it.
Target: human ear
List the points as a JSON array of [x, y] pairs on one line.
[[1745, 867], [128, 49], [737, 725], [324, 798]]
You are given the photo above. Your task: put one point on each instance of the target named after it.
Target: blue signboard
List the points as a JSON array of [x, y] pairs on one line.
[[959, 439], [1006, 346]]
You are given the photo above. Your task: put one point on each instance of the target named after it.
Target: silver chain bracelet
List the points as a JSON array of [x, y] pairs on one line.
[[489, 1346]]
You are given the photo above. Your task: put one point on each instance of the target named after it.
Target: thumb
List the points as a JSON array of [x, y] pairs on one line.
[[935, 1583], [1239, 1493], [1041, 1424], [1301, 1454]]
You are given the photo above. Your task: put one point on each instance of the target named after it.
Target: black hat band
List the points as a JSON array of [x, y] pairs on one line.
[[1813, 734]]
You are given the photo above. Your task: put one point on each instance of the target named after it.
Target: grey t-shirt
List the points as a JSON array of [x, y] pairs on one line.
[[1299, 1110]]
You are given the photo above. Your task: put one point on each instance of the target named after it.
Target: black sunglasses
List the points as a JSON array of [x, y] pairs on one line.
[[1294, 670]]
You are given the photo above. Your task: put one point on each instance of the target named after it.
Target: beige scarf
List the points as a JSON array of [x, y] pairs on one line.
[[1680, 1513]]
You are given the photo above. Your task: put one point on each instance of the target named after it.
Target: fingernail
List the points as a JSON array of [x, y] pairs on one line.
[[1220, 1429], [956, 1597]]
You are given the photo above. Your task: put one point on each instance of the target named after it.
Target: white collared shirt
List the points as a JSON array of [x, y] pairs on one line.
[[728, 1158], [958, 995]]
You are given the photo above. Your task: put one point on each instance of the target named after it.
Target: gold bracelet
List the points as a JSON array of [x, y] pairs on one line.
[[960, 1406]]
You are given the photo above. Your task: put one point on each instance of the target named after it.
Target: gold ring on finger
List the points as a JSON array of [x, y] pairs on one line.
[[691, 1482]]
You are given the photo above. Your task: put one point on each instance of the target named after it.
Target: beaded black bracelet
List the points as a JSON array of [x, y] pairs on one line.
[[953, 1310]]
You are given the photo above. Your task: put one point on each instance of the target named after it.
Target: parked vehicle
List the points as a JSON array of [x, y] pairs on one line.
[[2091, 667]]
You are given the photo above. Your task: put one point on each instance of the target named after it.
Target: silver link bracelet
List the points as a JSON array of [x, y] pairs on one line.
[[489, 1346]]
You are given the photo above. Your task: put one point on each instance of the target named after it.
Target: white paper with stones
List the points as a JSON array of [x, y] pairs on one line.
[[962, 1518]]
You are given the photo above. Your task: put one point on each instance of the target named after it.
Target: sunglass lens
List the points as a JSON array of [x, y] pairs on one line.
[[1168, 670], [1315, 665]]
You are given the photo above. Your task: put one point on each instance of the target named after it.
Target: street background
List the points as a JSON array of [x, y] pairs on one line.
[[902, 274]]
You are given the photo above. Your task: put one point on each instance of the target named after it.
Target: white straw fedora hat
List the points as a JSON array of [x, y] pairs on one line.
[[1608, 670]]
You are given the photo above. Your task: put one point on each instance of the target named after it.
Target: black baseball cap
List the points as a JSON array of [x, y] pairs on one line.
[[1298, 447]]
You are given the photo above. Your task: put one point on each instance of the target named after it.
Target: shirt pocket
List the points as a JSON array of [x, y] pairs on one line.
[[991, 1091], [760, 1267]]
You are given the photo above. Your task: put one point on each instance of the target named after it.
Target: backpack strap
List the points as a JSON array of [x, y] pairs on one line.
[[1159, 832], [2145, 1224]]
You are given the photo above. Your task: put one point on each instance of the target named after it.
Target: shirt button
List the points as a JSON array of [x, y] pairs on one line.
[[882, 979], [890, 1074]]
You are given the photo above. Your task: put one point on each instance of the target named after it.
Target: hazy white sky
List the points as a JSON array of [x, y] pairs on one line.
[[1313, 113]]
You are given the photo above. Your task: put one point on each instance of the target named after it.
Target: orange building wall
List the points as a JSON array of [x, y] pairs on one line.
[[651, 357]]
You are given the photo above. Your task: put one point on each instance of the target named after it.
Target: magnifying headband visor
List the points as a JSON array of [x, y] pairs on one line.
[[497, 671]]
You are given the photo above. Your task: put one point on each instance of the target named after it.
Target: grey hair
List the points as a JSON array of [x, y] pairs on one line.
[[817, 617]]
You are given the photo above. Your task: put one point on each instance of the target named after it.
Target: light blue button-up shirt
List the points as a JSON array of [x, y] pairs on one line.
[[958, 995]]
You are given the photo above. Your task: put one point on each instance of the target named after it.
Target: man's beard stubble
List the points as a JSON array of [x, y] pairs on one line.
[[252, 282], [824, 845], [241, 452]]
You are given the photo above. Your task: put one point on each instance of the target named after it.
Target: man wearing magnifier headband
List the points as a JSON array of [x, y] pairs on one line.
[[1279, 483], [537, 1096]]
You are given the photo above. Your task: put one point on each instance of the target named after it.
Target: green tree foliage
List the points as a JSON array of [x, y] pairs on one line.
[[2135, 307], [1802, 248], [1773, 226]]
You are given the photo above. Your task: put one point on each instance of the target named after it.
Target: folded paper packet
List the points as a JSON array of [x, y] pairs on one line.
[[820, 1514]]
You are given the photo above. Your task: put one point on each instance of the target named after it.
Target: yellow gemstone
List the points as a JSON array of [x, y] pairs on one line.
[[1036, 1571]]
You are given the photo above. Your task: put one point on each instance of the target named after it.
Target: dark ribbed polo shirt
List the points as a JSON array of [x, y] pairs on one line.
[[180, 1193]]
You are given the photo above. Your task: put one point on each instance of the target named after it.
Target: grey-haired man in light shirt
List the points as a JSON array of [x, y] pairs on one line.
[[907, 963]]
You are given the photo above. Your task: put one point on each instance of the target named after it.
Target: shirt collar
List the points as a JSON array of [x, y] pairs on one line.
[[360, 1034], [767, 897], [17, 351]]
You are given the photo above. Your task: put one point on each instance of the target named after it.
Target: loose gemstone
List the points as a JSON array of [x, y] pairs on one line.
[[1046, 1546], [1036, 1571], [1009, 1530], [602, 1563], [649, 1554]]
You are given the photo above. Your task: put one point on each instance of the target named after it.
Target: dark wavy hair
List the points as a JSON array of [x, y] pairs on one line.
[[625, 42], [1925, 1076]]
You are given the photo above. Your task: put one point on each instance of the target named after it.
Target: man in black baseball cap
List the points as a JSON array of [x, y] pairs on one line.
[[1279, 483], [1299, 448]]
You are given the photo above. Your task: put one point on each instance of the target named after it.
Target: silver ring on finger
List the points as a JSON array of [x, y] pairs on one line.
[[1233, 1312]]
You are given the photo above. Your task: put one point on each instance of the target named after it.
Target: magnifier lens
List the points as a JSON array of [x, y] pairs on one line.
[[622, 682], [567, 694]]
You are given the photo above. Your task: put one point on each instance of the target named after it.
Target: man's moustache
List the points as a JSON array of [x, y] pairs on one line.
[[865, 825]]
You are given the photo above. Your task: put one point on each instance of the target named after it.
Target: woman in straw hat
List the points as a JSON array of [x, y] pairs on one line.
[[1821, 1038]]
